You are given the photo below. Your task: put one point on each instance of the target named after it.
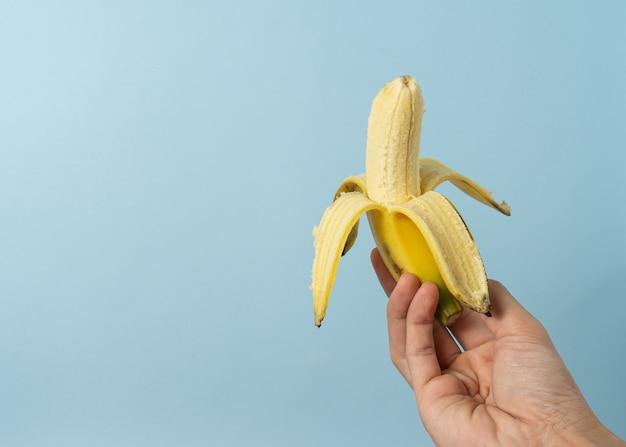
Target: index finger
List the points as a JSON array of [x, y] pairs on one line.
[[421, 353]]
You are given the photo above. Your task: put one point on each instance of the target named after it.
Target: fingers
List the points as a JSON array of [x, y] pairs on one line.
[[384, 277], [446, 347], [400, 323], [397, 309], [509, 316], [470, 330], [421, 353], [419, 346]]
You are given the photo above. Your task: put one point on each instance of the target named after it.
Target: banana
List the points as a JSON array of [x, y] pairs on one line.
[[416, 229]]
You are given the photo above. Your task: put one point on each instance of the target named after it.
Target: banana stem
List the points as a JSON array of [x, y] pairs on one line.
[[448, 309]]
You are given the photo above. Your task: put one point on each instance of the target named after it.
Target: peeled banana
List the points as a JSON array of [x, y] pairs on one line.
[[415, 229]]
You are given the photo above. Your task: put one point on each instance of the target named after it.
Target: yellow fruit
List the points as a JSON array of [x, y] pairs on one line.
[[416, 229]]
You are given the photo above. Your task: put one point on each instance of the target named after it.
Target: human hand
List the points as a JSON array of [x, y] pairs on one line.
[[506, 386]]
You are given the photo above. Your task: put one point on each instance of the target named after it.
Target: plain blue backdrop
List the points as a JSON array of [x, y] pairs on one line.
[[162, 165]]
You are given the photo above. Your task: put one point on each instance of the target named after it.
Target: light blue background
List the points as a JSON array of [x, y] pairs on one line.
[[162, 165]]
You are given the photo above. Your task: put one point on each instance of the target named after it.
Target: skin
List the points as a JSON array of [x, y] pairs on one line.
[[506, 386]]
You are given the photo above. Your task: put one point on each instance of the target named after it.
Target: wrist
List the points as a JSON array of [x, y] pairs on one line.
[[592, 435]]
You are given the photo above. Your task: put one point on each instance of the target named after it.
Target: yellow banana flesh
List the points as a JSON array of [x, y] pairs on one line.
[[415, 229]]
